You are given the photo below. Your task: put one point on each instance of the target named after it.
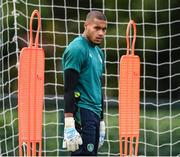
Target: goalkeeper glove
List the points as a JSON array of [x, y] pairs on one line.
[[72, 138], [101, 133]]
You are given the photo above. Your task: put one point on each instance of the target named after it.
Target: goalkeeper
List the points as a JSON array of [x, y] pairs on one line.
[[83, 65]]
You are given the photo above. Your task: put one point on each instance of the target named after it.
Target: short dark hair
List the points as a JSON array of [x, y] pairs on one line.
[[96, 14]]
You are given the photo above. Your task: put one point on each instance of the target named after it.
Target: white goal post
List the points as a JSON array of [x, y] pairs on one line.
[[157, 44]]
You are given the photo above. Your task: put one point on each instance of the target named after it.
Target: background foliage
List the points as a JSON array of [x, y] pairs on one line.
[[154, 35]]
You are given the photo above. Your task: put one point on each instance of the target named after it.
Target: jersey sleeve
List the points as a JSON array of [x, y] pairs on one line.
[[103, 65], [74, 58], [103, 59]]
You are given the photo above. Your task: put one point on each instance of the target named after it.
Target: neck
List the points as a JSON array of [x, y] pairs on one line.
[[89, 41], [85, 36]]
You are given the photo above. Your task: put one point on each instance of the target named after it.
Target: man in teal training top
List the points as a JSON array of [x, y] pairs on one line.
[[83, 65]]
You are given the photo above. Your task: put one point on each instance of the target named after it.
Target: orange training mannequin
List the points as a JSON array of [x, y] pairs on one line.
[[30, 95], [129, 93]]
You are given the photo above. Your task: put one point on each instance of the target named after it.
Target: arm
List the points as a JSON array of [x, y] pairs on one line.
[[102, 107], [72, 138], [102, 101], [70, 81], [102, 123]]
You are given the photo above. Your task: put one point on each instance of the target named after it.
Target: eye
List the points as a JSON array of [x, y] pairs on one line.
[[104, 29], [97, 28]]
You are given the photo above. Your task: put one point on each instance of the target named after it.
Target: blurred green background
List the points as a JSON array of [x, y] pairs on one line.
[[110, 148], [157, 44]]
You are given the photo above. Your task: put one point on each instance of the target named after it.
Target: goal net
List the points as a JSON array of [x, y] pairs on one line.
[[157, 44]]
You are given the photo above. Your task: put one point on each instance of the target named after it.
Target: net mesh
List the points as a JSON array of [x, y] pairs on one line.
[[157, 44]]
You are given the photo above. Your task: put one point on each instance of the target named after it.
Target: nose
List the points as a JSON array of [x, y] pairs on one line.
[[101, 33]]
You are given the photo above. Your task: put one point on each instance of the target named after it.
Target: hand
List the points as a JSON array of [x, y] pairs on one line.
[[72, 138], [101, 133]]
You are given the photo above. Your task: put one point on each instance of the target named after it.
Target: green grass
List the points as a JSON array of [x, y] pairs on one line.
[[150, 127]]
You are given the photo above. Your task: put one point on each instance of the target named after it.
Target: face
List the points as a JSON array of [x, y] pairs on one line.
[[95, 30]]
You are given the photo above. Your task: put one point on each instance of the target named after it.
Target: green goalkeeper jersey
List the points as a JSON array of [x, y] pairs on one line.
[[88, 60]]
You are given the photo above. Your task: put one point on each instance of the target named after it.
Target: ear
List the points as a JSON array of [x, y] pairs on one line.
[[85, 24]]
